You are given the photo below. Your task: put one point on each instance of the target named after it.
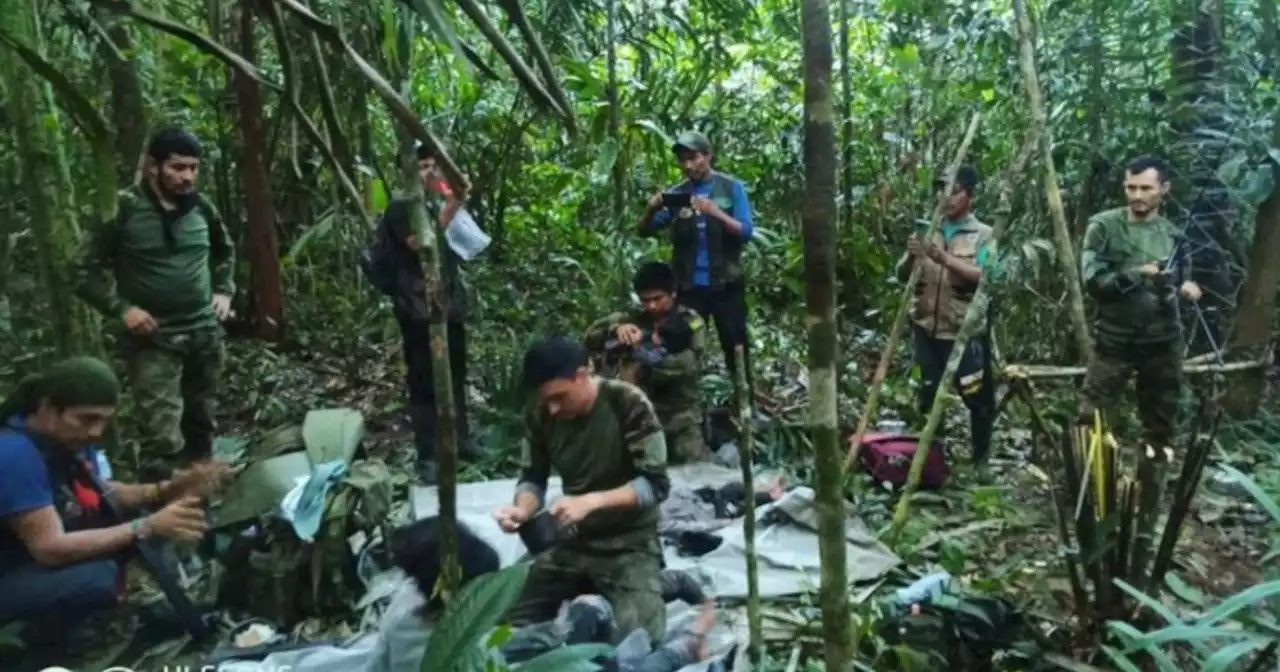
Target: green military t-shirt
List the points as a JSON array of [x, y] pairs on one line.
[[619, 441]]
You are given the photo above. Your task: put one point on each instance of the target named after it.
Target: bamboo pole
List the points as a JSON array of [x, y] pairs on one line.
[[746, 452], [900, 320]]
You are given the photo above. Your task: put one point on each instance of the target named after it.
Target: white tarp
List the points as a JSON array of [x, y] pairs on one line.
[[787, 552]]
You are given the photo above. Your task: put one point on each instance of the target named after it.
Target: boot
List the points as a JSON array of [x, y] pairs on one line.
[[423, 419]]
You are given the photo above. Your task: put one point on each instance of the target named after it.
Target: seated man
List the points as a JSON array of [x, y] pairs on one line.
[[61, 554], [672, 337], [604, 440], [406, 627]]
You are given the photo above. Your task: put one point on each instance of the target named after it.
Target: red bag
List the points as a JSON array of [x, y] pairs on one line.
[[887, 457]]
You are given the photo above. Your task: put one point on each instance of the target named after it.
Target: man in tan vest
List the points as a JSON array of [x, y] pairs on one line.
[[952, 263]]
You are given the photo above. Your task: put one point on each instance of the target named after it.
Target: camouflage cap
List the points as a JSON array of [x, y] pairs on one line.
[[692, 140]]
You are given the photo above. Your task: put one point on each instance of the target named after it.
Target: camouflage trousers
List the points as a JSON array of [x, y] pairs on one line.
[[629, 580], [683, 430], [174, 379], [1157, 368]]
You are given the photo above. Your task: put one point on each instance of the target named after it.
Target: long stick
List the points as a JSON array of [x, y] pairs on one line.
[[746, 452], [974, 321], [900, 320], [1061, 234]]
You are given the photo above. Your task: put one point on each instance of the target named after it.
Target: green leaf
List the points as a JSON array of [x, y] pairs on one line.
[[477, 609], [657, 130], [988, 95], [1120, 660], [1183, 591], [1222, 659], [575, 658], [605, 159]]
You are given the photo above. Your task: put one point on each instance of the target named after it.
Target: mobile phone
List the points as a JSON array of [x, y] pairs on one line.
[[677, 201]]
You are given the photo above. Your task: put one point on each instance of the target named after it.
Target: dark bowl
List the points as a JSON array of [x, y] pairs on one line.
[[540, 532]]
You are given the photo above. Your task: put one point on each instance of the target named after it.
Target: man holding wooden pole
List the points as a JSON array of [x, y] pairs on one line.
[[951, 267], [1136, 269]]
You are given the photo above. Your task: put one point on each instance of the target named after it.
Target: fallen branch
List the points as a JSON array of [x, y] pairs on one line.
[[1040, 371], [900, 320]]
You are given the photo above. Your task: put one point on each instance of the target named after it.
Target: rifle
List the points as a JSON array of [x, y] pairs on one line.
[[1175, 271]]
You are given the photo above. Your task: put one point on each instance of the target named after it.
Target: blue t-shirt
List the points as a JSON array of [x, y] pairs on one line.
[[25, 485]]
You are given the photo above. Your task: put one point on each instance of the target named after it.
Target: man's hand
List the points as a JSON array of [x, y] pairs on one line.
[[201, 480], [511, 517], [139, 321], [1190, 291], [923, 250], [221, 306], [655, 201], [1150, 270], [707, 206], [628, 334], [570, 510], [181, 520]]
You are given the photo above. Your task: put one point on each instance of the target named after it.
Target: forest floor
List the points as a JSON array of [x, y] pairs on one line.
[[996, 535]]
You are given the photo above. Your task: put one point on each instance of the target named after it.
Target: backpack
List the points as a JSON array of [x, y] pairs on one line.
[[377, 261], [887, 457], [271, 573], [956, 632]]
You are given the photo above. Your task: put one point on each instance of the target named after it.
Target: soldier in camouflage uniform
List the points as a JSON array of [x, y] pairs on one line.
[[604, 440], [1133, 267], [172, 263], [672, 382]]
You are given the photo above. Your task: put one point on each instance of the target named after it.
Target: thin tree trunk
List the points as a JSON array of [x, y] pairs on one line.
[[819, 221], [37, 166], [973, 318], [432, 254], [1061, 232], [746, 453], [267, 317], [1257, 308], [854, 294], [128, 113]]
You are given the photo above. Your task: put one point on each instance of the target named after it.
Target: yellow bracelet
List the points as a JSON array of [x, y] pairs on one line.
[[154, 494]]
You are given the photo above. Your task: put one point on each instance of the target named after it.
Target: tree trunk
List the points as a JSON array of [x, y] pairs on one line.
[[40, 183], [1256, 313], [1061, 232], [852, 293], [432, 255], [819, 221], [128, 112], [266, 292]]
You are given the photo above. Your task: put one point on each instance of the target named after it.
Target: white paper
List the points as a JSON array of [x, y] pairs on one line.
[[465, 236]]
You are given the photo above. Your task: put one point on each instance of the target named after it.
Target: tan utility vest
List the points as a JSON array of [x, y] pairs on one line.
[[941, 297]]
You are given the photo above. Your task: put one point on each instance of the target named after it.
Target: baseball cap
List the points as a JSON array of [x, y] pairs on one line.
[[692, 140]]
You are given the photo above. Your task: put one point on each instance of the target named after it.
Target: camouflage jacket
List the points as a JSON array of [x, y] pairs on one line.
[[672, 383], [1131, 309], [169, 263]]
